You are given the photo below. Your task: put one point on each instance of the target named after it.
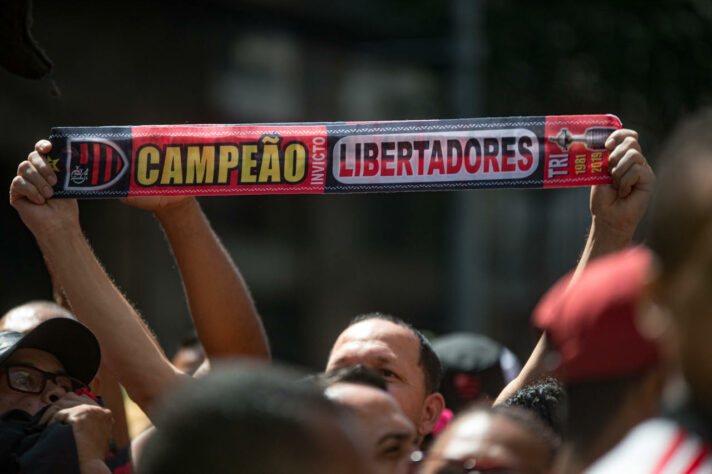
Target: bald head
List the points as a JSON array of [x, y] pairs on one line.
[[395, 351], [389, 434], [25, 317], [486, 439]]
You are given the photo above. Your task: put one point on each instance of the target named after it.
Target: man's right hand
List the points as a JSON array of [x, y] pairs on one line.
[[91, 425], [69, 400], [30, 194]]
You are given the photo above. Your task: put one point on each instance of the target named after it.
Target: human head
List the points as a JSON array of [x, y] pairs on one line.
[[546, 398], [594, 323], [611, 368], [390, 436], [488, 438], [25, 317], [57, 346], [473, 368], [402, 356], [252, 419], [680, 234]]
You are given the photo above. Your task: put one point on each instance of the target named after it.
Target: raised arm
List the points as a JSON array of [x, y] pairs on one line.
[[128, 347], [109, 390], [616, 210], [220, 303]]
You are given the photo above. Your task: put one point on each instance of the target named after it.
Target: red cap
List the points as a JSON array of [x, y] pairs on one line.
[[592, 323]]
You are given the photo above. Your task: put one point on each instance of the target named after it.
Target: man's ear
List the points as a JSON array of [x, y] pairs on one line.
[[432, 409]]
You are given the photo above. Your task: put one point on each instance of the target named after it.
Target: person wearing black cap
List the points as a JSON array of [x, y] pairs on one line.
[[224, 314], [475, 368], [24, 318], [48, 421]]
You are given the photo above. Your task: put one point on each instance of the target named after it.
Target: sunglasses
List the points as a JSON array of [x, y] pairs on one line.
[[32, 380]]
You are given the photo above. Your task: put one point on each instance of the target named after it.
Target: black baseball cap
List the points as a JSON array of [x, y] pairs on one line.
[[472, 368], [72, 343]]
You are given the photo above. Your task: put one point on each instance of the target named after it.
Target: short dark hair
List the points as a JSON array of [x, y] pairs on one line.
[[683, 196], [428, 360], [546, 398], [356, 374], [244, 418], [532, 423]]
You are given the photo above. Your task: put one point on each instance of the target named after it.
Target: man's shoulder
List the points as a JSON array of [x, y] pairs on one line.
[[656, 446]]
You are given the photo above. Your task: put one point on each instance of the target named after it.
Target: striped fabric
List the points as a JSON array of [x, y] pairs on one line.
[[658, 446]]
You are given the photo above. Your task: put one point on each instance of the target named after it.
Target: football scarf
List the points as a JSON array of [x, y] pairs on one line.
[[336, 157]]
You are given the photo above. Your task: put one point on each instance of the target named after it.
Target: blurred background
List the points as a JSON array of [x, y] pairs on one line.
[[468, 260]]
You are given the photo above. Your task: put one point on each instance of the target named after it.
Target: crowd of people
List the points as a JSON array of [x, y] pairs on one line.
[[620, 381]]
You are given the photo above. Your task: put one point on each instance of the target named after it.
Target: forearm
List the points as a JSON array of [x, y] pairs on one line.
[[128, 349], [113, 400], [602, 240], [95, 466], [223, 312], [534, 369]]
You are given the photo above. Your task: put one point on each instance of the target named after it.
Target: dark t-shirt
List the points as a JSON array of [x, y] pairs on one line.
[[31, 448]]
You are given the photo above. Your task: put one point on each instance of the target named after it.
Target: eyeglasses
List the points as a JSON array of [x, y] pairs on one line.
[[32, 380]]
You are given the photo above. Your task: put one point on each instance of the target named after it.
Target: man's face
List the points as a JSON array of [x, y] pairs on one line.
[[390, 436], [11, 399], [481, 440], [393, 351]]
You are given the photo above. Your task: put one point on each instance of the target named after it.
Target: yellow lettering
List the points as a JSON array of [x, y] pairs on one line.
[[147, 155], [228, 161], [248, 164], [269, 171], [172, 167], [580, 164], [200, 167], [597, 162], [295, 161]]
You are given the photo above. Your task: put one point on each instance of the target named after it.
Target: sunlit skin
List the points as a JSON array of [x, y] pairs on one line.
[[26, 317], [11, 399], [487, 441], [393, 351], [390, 436]]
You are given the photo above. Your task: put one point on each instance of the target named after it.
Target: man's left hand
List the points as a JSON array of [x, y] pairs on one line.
[[618, 207]]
